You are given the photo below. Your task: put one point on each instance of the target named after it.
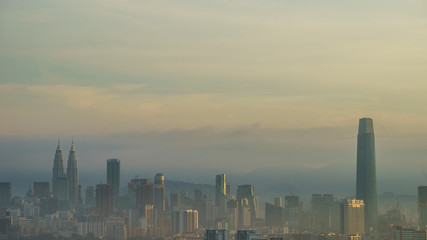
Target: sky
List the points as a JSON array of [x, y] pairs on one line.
[[269, 92]]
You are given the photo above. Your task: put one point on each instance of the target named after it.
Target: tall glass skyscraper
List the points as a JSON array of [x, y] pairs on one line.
[[113, 175], [366, 182]]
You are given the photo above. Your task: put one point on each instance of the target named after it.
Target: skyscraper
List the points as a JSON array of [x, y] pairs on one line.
[[90, 196], [104, 199], [366, 182], [293, 211], [220, 192], [5, 194], [144, 195], [247, 191], [113, 175], [422, 205], [59, 175], [185, 221], [73, 177], [159, 192]]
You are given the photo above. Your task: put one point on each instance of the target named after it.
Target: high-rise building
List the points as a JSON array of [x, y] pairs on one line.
[[233, 214], [366, 182], [5, 194], [144, 195], [278, 201], [247, 191], [422, 206], [322, 213], [245, 216], [159, 193], [175, 199], [352, 217], [132, 187], [198, 195], [73, 177], [273, 215], [90, 196], [185, 221], [212, 234], [113, 175], [220, 193], [59, 190], [41, 189], [292, 211], [104, 199]]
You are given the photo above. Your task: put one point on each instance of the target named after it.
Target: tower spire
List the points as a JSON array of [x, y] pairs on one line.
[[59, 145]]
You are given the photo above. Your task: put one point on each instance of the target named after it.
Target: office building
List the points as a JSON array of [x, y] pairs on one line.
[[366, 182], [5, 194], [323, 212], [245, 216], [144, 195], [249, 235], [422, 206], [132, 187], [59, 178], [352, 217], [104, 199], [185, 221], [91, 224], [212, 234], [113, 175], [233, 214], [159, 192], [247, 191], [292, 211], [278, 201], [90, 196], [175, 200], [220, 193], [73, 178], [41, 189], [273, 215]]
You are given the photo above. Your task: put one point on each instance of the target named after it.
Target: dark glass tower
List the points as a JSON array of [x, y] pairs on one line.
[[113, 175], [366, 183]]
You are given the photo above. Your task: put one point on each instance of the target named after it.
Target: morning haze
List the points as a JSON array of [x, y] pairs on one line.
[[268, 92]]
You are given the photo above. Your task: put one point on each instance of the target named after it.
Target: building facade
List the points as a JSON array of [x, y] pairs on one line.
[[159, 193], [104, 199], [73, 178], [366, 182], [352, 217], [113, 175]]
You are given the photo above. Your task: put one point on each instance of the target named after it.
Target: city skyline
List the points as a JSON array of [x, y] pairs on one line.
[[214, 119], [277, 81]]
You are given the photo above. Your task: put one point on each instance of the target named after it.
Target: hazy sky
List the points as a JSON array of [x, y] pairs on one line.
[[267, 90]]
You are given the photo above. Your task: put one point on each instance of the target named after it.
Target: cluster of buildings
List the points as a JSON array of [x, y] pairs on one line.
[[144, 211]]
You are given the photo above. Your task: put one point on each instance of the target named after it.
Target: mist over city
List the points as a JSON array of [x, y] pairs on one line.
[[213, 120]]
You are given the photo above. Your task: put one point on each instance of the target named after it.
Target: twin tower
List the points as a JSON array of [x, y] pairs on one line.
[[366, 180], [66, 186]]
